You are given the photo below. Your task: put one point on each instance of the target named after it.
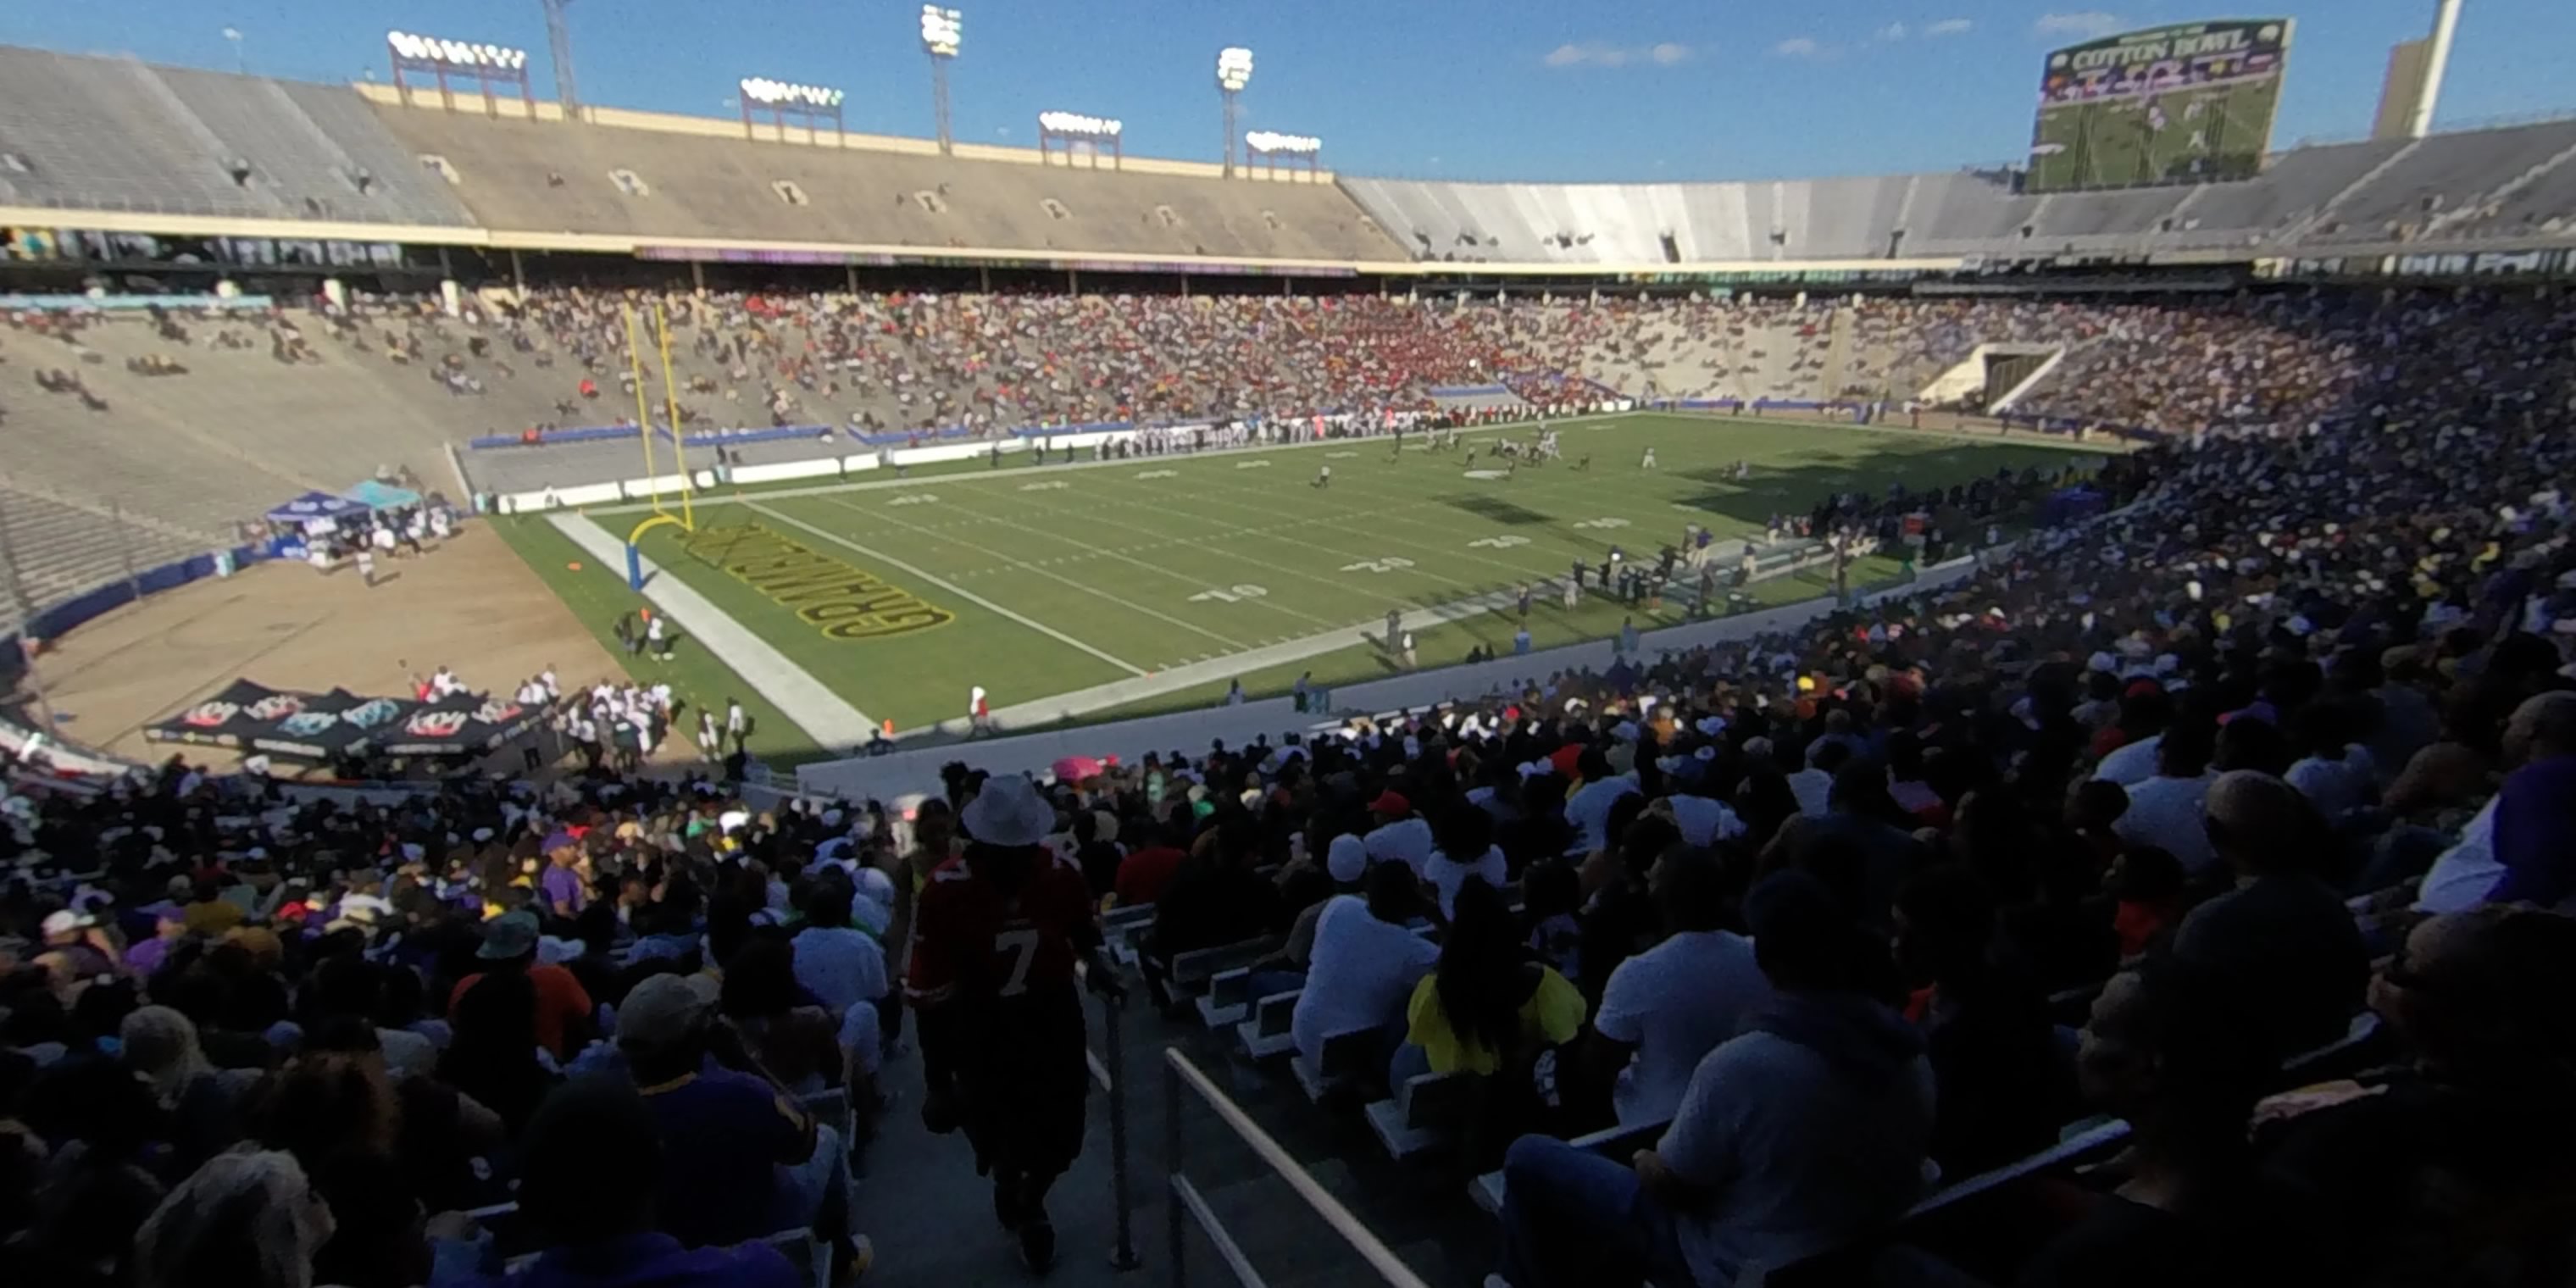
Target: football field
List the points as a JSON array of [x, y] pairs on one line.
[[2192, 134], [1041, 580]]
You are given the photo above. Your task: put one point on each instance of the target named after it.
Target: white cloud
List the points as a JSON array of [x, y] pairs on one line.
[[1893, 31], [1598, 53], [1949, 27], [2086, 24], [1798, 47]]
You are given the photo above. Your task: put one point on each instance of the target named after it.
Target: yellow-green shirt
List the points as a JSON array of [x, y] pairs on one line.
[[1552, 1015]]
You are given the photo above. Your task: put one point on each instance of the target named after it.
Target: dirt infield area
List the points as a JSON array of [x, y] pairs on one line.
[[470, 604]]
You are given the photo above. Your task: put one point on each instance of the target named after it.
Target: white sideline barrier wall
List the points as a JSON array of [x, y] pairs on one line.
[[785, 471], [913, 772], [774, 473], [583, 494]]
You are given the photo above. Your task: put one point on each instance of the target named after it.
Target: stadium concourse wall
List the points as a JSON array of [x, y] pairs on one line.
[[907, 776]]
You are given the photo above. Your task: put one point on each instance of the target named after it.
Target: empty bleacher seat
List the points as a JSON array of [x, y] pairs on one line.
[[1266, 1032], [1429, 1112]]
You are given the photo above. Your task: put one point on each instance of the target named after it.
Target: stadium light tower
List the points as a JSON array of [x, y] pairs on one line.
[[941, 33], [559, 40], [1233, 72], [2437, 63]]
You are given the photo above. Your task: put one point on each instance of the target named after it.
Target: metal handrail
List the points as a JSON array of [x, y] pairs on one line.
[[1111, 1074], [1187, 1204]]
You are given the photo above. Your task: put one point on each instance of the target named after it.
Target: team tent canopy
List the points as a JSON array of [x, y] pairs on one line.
[[251, 717], [381, 496], [313, 508]]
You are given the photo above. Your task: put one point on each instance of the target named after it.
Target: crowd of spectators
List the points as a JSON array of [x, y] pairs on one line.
[[2145, 820]]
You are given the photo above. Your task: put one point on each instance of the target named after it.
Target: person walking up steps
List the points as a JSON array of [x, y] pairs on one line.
[[996, 937]]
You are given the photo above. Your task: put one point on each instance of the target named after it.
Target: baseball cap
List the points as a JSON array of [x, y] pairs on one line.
[[664, 1010], [1391, 802], [510, 936], [66, 921], [556, 840]]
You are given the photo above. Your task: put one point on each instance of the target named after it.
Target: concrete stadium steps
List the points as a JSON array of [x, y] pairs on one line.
[[274, 429], [1769, 359], [701, 179], [2442, 175], [130, 456], [57, 550], [118, 134]]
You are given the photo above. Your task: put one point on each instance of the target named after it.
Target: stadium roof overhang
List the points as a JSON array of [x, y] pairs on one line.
[[156, 224]]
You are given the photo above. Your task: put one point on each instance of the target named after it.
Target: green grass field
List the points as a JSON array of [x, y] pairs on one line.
[[1040, 580]]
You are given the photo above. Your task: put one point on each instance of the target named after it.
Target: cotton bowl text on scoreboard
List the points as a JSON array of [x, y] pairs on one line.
[[2180, 103]]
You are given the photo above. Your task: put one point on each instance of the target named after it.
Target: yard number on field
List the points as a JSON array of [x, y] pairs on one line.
[[1160, 474], [1051, 485], [1504, 542], [914, 498], [1377, 565], [1602, 523], [1228, 594], [1252, 465]]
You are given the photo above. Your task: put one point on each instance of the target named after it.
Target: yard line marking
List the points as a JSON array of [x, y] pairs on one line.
[[949, 586], [1193, 541], [1087, 589]]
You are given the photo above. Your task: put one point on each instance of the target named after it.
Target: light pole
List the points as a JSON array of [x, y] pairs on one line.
[[559, 42], [941, 33], [241, 63], [1233, 72]]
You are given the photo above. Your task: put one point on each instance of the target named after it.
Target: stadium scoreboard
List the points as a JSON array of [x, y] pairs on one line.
[[2177, 104]]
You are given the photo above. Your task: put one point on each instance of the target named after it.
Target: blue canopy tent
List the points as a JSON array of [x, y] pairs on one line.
[[306, 515], [316, 505]]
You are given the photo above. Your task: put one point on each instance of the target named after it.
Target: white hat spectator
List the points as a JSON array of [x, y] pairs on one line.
[[1009, 812]]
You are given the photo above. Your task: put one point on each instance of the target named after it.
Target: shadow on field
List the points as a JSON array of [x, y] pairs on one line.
[[1494, 509]]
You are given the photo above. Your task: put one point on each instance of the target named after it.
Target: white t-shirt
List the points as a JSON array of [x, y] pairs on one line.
[[840, 967], [1704, 821], [2337, 786], [1359, 974], [2166, 812], [2130, 763], [1813, 788], [2466, 873], [1406, 840], [1446, 875], [1588, 811], [1675, 1002], [1798, 1157]]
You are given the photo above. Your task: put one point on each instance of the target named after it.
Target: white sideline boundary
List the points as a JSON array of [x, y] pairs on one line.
[[822, 714]]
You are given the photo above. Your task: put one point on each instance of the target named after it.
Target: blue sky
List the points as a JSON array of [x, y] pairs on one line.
[[1537, 89]]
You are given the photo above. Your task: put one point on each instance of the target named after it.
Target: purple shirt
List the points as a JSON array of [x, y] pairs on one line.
[[562, 887]]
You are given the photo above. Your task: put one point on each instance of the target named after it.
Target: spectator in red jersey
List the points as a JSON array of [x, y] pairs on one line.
[[999, 933]]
